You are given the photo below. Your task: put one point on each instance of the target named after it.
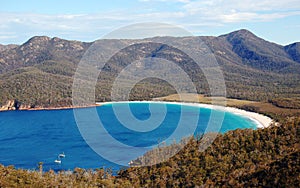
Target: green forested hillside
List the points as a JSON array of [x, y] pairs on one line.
[[253, 68], [294, 51]]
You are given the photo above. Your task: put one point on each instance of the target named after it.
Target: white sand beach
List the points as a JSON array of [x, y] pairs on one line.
[[262, 121]]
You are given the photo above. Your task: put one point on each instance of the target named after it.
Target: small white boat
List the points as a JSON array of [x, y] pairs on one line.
[[57, 161], [62, 155]]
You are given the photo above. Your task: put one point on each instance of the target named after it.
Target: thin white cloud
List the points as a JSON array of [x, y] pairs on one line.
[[169, 1], [245, 5], [248, 16], [241, 11], [194, 15], [8, 37]]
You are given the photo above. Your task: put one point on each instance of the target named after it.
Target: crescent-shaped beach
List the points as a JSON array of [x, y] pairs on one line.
[[261, 120]]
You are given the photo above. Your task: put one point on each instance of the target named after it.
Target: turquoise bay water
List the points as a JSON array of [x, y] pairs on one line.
[[28, 137]]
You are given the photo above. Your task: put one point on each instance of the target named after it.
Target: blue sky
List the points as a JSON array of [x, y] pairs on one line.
[[274, 20]]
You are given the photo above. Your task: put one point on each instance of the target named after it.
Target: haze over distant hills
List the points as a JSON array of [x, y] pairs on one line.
[[39, 72]]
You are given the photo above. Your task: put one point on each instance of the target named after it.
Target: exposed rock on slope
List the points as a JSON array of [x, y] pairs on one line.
[[11, 105]]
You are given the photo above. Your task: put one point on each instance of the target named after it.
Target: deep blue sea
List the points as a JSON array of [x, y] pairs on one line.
[[29, 137]]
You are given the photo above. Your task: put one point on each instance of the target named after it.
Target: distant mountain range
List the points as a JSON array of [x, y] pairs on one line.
[[39, 72]]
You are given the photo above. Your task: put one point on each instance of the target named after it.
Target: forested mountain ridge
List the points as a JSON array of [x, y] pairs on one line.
[[258, 53], [294, 51], [39, 72], [40, 49]]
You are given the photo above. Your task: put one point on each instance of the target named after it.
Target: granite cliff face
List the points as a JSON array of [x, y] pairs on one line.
[[40, 71], [11, 105]]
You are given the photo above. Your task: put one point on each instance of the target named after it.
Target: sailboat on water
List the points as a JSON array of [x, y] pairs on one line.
[[62, 155], [58, 160]]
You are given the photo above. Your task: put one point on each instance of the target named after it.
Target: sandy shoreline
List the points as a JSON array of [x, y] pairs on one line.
[[63, 108], [52, 108], [262, 121]]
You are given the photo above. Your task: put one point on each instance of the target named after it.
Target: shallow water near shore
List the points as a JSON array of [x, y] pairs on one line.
[[29, 137]]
